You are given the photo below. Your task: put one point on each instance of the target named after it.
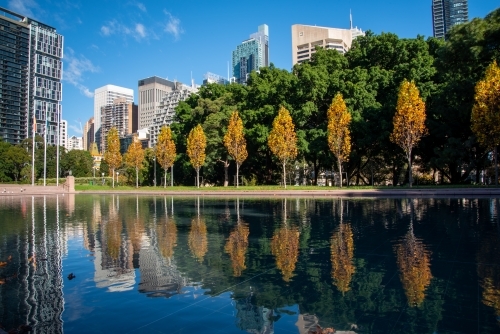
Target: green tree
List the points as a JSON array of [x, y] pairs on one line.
[[196, 144], [409, 121], [166, 152], [79, 162], [135, 157], [339, 135], [282, 140], [235, 142], [16, 158], [112, 154]]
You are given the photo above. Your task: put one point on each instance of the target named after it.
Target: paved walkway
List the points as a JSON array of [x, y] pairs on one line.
[[13, 190]]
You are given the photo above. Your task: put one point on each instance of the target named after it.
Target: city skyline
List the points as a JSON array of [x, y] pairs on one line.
[[144, 39]]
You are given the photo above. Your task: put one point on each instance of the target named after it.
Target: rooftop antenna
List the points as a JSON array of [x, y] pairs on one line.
[[350, 18], [228, 70], [192, 81]]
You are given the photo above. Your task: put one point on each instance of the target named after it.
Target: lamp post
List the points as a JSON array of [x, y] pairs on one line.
[[154, 177]]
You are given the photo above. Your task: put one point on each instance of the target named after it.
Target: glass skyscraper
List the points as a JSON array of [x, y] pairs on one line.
[[446, 14], [251, 54], [30, 78]]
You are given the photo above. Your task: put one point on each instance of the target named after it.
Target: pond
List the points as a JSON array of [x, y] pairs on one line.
[[156, 264]]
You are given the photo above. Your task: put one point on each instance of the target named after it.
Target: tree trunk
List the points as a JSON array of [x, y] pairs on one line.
[[340, 171], [237, 175], [226, 173], [198, 177], [113, 171], [171, 176], [284, 174], [410, 174], [136, 177], [496, 166], [165, 178]]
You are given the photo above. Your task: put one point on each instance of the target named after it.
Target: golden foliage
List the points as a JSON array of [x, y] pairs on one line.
[[234, 139], [342, 254], [485, 117], [196, 144], [415, 269], [409, 120], [236, 247], [113, 235], [489, 274], [285, 247], [167, 238], [165, 148], [197, 239], [282, 140], [135, 154], [339, 135], [112, 154]]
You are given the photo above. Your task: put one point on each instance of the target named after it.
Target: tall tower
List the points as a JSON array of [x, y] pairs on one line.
[[446, 14], [104, 96], [30, 78], [251, 54]]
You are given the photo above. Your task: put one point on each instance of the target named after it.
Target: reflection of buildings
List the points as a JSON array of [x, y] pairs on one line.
[[253, 319], [307, 323], [35, 288], [159, 276]]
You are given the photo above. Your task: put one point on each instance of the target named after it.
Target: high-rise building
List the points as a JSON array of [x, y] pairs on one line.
[[446, 14], [151, 92], [120, 115], [165, 112], [104, 96], [63, 128], [306, 38], [88, 134], [251, 54], [30, 78]]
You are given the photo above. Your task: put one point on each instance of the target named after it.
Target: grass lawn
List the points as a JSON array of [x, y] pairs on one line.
[[86, 187]]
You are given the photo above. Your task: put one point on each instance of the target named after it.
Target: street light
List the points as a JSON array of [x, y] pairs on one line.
[[154, 178]]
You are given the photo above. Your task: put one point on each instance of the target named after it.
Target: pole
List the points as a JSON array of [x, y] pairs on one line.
[[33, 152], [45, 152], [496, 166], [154, 178], [58, 144]]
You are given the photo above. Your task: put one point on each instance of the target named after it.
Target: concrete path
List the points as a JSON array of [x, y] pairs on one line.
[[24, 189]]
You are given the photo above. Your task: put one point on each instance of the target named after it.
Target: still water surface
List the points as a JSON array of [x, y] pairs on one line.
[[190, 265]]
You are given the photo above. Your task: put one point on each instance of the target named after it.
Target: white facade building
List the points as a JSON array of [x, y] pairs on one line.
[[63, 127], [305, 38], [104, 96], [74, 143]]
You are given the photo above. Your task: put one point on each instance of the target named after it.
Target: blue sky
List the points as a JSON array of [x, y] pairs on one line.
[[122, 41]]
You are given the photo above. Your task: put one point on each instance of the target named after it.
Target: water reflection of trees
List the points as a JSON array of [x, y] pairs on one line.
[[197, 239], [414, 266], [285, 247], [166, 232], [342, 254]]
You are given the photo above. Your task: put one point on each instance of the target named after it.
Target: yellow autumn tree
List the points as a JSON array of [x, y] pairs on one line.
[[409, 120], [235, 142], [112, 154], [196, 144], [197, 238], [166, 152], [135, 157], [342, 254], [485, 117], [339, 135], [282, 140], [237, 246], [413, 261]]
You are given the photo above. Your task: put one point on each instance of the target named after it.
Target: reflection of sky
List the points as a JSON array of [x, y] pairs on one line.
[[91, 310]]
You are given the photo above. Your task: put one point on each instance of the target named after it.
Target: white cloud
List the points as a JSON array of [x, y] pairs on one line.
[[75, 128], [173, 25], [75, 68], [141, 6], [24, 7], [113, 27], [140, 30]]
